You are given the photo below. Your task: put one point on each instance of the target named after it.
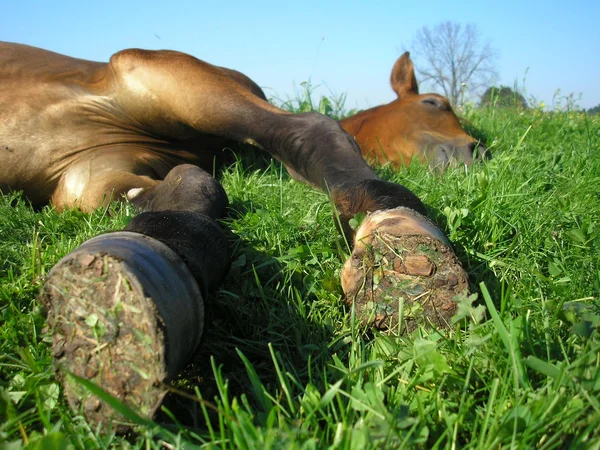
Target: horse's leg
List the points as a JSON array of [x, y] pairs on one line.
[[126, 308], [316, 150], [161, 89]]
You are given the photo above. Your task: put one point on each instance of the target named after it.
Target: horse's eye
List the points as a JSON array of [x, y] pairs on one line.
[[438, 103], [432, 102]]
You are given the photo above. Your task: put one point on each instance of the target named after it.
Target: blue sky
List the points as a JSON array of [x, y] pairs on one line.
[[347, 47]]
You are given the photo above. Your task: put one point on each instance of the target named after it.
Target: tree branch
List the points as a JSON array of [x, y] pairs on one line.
[[453, 59]]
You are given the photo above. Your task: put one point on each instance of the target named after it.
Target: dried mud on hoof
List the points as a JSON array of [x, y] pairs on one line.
[[402, 273], [111, 323]]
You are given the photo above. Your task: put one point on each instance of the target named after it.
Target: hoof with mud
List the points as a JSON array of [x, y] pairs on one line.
[[126, 314], [402, 273]]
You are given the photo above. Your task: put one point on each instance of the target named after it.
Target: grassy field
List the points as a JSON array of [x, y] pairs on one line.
[[283, 365]]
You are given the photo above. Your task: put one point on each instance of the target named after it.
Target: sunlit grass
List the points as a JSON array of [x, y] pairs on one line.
[[283, 365]]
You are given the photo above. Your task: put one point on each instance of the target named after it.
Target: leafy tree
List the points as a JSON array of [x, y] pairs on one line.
[[502, 97], [454, 59], [594, 110]]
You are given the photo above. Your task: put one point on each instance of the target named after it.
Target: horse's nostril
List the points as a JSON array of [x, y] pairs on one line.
[[450, 155]]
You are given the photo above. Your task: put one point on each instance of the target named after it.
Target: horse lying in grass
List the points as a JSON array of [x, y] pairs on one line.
[[143, 126]]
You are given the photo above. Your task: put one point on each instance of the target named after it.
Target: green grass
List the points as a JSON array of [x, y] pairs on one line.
[[283, 365]]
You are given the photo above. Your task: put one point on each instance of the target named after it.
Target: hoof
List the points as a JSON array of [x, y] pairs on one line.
[[126, 314], [402, 273]]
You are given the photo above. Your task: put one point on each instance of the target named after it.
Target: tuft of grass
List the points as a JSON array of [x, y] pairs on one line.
[[302, 101], [284, 365]]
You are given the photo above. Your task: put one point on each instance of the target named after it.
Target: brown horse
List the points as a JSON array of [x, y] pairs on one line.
[[413, 126], [78, 133]]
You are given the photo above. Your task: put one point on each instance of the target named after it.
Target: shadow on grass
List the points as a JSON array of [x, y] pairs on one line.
[[249, 313], [249, 157], [263, 302]]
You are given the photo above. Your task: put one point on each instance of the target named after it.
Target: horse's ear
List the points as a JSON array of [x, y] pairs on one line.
[[403, 78]]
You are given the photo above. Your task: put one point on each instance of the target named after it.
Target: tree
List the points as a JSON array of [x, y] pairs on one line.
[[502, 97], [453, 58], [594, 110]]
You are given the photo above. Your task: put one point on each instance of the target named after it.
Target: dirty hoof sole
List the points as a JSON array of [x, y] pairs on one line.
[[125, 313], [106, 331], [402, 273]]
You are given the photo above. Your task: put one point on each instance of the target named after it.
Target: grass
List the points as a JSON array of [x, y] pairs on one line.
[[283, 364]]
